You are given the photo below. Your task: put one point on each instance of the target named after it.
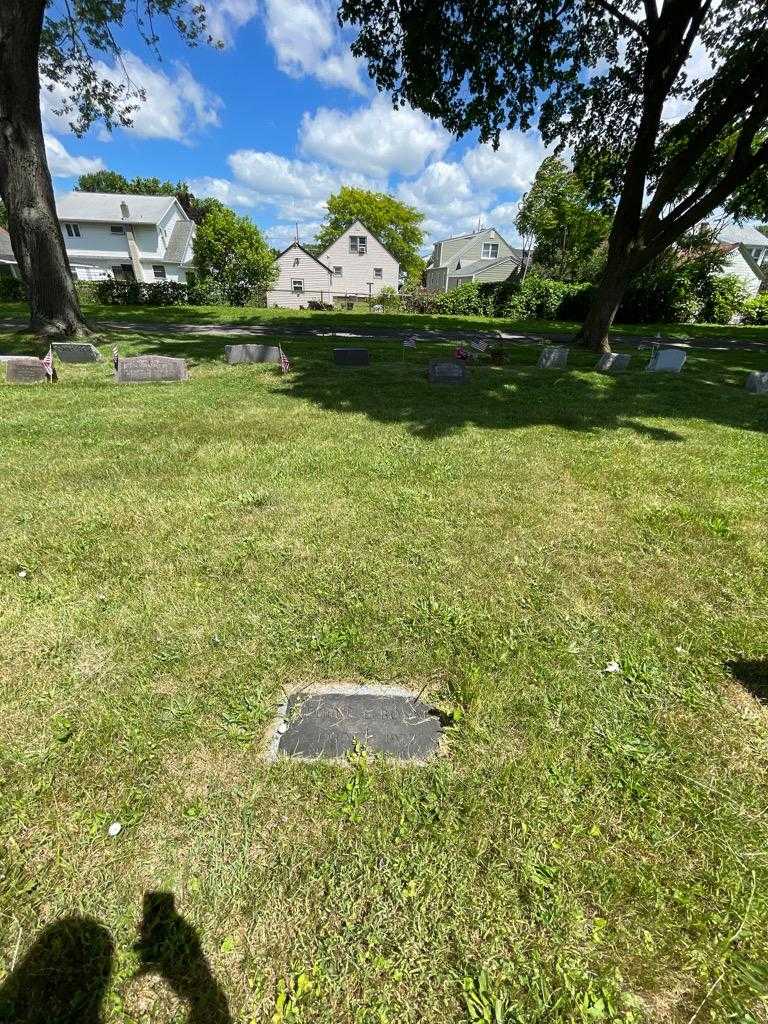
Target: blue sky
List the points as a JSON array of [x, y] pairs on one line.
[[280, 118]]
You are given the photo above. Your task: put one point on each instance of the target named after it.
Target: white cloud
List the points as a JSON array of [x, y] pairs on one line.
[[225, 17], [377, 139], [281, 235], [176, 105], [308, 42], [62, 164], [512, 166], [447, 198]]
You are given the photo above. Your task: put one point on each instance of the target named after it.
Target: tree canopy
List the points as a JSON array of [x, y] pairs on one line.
[[395, 224], [230, 252], [612, 80], [566, 231]]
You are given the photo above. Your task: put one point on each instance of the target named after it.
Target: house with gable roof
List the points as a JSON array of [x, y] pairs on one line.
[[481, 256], [354, 266]]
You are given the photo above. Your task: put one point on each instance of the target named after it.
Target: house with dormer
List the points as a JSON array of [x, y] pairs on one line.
[[483, 256], [355, 266]]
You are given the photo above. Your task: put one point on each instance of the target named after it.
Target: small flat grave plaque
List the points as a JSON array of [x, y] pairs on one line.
[[447, 371], [24, 370], [252, 353], [666, 360], [149, 369], [757, 382], [612, 362], [329, 724], [553, 357], [351, 356], [76, 352]]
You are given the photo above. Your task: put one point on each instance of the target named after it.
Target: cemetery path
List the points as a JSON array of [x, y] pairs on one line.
[[713, 343]]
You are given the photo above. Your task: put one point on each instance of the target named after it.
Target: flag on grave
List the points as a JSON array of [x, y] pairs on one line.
[[115, 356], [409, 343], [479, 345], [284, 362], [47, 362]]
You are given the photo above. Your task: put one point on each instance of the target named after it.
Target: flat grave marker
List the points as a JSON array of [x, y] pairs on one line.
[[252, 353], [447, 371], [24, 370], [612, 362], [330, 724], [76, 352], [150, 369], [757, 382], [666, 360], [351, 356], [553, 357]]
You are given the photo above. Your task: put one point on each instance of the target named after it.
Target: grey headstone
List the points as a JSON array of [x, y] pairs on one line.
[[757, 382], [612, 362], [447, 371], [666, 360], [146, 369], [351, 356], [24, 370], [76, 352], [553, 357], [252, 353], [328, 725]]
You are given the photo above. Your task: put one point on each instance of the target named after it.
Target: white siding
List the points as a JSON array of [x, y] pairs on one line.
[[295, 264], [358, 271], [738, 266]]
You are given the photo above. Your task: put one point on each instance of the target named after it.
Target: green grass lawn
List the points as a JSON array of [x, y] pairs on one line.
[[360, 317], [593, 846]]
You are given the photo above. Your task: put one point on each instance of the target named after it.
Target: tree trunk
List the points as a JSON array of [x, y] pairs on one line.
[[25, 182], [610, 292]]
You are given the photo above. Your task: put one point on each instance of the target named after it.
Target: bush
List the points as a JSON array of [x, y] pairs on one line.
[[466, 300], [756, 310], [12, 290], [87, 291], [724, 299], [141, 293], [389, 299], [661, 293], [318, 306], [576, 302], [536, 298]]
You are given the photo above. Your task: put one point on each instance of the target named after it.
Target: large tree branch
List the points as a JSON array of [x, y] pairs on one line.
[[635, 27]]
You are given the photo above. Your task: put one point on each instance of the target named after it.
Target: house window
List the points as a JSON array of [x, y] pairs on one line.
[[490, 250], [73, 230], [123, 272], [296, 262], [297, 285], [159, 271], [378, 273], [358, 244], [338, 271], [117, 229]]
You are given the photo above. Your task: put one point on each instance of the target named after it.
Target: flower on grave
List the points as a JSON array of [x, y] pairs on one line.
[[461, 353]]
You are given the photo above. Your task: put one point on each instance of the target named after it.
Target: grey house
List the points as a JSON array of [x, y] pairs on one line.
[[482, 256], [747, 251]]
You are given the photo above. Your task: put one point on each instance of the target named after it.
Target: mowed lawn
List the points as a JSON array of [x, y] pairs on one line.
[[593, 846]]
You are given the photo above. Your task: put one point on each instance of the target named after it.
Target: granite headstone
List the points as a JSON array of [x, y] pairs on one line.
[[252, 353], [25, 370], [76, 352], [666, 360], [757, 382], [553, 357], [447, 371], [351, 356], [612, 362], [150, 369], [328, 725]]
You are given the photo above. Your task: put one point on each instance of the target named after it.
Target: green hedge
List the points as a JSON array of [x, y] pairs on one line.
[[756, 310], [12, 290]]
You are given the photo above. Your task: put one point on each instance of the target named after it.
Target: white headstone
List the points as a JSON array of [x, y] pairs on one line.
[[150, 369], [25, 370], [553, 357], [666, 360], [612, 362], [757, 382]]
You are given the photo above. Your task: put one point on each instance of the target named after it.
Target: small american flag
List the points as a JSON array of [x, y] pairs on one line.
[[284, 361], [115, 356], [47, 362], [479, 345], [409, 343]]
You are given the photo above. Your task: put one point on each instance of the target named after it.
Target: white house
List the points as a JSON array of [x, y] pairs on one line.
[[481, 256], [747, 255], [142, 238], [355, 266]]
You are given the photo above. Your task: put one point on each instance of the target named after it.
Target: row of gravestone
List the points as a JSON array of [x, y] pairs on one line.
[[155, 368]]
